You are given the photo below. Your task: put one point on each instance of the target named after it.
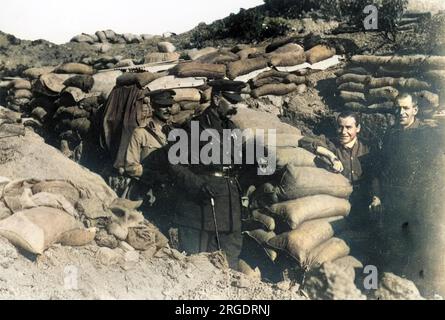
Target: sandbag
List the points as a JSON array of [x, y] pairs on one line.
[[75, 68], [269, 80], [300, 242], [350, 96], [246, 118], [293, 78], [245, 66], [267, 221], [186, 94], [64, 188], [427, 99], [289, 47], [274, 89], [195, 54], [73, 112], [153, 57], [37, 229], [83, 82], [111, 35], [71, 96], [297, 182], [388, 93], [82, 38], [141, 79], [23, 94], [262, 237], [244, 53], [271, 73], [219, 57], [102, 37], [81, 125], [330, 250], [172, 82], [352, 70], [294, 156], [402, 62], [35, 73], [282, 140], [295, 212], [165, 46], [104, 82], [189, 105], [287, 59], [319, 53], [39, 113], [350, 77], [182, 117], [352, 87], [387, 106], [19, 84], [78, 237], [52, 82], [132, 38], [196, 69]]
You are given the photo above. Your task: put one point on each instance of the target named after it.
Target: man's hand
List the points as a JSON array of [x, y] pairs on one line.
[[337, 166], [376, 205]]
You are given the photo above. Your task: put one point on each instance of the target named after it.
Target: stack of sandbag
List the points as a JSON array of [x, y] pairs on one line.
[[273, 82], [66, 101], [301, 209], [108, 62], [166, 52], [35, 214], [109, 36], [18, 93], [370, 83], [302, 212]]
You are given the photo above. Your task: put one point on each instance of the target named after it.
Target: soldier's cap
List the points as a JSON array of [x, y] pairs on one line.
[[161, 98], [232, 97], [226, 85]]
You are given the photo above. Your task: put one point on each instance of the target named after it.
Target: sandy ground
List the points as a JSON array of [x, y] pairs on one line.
[[80, 273]]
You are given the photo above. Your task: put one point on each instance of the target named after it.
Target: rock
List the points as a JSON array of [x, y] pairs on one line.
[[120, 232], [331, 282], [242, 282], [8, 253], [166, 47], [392, 287], [107, 256], [103, 239], [149, 253], [131, 256], [284, 285], [175, 254], [125, 246]]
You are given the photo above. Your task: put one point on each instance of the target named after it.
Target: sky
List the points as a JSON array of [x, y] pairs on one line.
[[59, 20]]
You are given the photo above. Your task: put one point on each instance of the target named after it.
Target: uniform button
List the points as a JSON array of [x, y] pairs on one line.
[[352, 171], [352, 158]]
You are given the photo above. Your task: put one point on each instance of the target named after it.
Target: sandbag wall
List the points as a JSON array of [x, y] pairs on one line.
[[370, 83], [109, 36], [302, 207]]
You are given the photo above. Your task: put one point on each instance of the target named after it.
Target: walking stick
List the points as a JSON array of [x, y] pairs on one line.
[[212, 202]]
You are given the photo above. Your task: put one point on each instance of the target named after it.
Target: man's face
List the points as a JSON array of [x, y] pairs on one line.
[[406, 111], [163, 113], [144, 115], [347, 129]]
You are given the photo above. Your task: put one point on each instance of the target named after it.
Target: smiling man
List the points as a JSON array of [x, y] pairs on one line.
[[345, 153]]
